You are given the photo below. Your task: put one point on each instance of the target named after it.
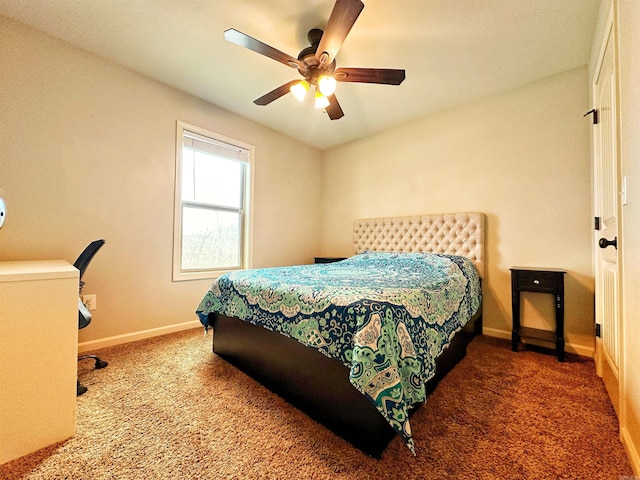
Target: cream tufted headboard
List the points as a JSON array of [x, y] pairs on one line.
[[450, 233]]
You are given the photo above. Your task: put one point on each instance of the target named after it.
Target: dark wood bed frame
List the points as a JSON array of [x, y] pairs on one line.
[[316, 384], [319, 385]]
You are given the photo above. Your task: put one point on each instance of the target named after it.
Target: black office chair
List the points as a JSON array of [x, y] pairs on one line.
[[84, 315]]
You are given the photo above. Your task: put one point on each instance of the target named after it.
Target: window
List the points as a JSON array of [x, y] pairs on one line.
[[213, 186]]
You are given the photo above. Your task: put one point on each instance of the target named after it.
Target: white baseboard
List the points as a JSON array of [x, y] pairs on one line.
[[155, 332], [569, 347], [494, 332], [632, 453], [581, 350], [132, 337]]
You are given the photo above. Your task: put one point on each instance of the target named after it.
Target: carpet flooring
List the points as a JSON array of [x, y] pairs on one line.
[[168, 408]]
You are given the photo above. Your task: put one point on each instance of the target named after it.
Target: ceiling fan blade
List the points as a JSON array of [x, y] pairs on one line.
[[234, 36], [343, 16], [385, 76], [275, 94], [334, 110]]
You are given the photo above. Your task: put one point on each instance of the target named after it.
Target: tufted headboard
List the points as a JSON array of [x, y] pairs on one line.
[[450, 233]]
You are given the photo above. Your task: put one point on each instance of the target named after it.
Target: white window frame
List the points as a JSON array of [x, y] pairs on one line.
[[246, 247]]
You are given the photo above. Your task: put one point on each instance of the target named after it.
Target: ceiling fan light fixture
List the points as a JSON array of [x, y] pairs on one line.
[[327, 84], [321, 100], [299, 90]]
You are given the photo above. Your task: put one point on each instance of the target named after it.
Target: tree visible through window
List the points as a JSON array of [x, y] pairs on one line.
[[211, 208]]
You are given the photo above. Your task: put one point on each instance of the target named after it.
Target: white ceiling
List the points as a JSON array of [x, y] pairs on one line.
[[453, 51]]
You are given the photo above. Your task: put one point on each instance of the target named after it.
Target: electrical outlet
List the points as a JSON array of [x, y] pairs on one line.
[[3, 209], [89, 301]]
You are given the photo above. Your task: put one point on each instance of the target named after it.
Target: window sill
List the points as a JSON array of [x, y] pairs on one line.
[[209, 275]]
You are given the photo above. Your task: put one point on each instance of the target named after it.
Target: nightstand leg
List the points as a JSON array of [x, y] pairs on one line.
[[560, 349], [560, 324], [515, 319]]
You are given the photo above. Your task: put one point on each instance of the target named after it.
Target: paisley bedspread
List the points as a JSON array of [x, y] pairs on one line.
[[386, 316]]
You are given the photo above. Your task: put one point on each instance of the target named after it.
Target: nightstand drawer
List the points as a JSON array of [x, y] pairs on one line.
[[537, 281]]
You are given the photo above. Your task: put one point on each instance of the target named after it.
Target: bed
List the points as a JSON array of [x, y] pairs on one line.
[[358, 344]]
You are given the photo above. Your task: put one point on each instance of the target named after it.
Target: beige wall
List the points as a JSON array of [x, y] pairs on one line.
[[521, 157], [87, 150], [628, 20]]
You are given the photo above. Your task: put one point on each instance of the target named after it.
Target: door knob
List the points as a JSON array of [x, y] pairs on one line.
[[604, 243]]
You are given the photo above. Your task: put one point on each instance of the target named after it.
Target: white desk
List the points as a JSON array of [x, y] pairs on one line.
[[38, 355]]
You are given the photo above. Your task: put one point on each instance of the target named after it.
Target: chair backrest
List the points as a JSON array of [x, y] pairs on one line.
[[85, 257]]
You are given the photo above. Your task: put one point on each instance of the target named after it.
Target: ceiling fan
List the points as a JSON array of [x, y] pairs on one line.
[[317, 63]]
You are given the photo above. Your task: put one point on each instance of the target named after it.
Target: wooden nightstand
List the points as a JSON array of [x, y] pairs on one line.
[[549, 280], [328, 259]]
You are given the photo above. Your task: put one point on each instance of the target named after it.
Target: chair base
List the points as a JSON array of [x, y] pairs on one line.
[[99, 363], [81, 389]]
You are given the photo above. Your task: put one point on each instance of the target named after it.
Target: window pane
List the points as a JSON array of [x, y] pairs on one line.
[[211, 179], [210, 239]]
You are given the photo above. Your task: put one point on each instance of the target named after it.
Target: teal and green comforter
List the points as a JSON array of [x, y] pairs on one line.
[[386, 316]]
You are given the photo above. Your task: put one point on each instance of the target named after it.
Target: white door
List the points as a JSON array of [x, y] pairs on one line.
[[606, 210]]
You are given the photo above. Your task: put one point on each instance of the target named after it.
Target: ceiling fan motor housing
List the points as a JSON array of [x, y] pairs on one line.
[[308, 55]]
